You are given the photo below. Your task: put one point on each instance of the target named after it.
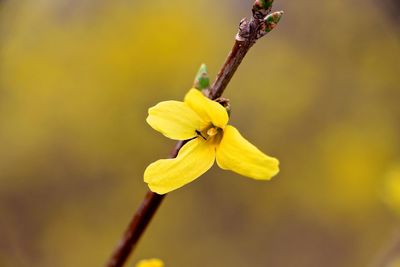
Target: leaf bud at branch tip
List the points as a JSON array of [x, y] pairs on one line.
[[262, 7], [272, 20], [262, 4], [202, 80]]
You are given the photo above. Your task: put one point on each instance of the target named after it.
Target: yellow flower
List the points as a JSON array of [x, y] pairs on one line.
[[204, 123], [150, 263]]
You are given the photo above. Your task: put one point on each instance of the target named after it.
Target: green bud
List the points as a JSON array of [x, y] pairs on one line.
[[263, 4], [272, 20], [202, 81], [262, 7]]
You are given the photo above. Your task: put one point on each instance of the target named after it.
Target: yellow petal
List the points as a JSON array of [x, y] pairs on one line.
[[237, 154], [208, 110], [150, 263], [175, 120], [194, 159]]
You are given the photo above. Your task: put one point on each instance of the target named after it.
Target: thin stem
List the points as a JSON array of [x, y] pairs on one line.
[[136, 228], [249, 32], [139, 222], [240, 48]]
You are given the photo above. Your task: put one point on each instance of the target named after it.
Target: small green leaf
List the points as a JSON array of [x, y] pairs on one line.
[[202, 80], [272, 20]]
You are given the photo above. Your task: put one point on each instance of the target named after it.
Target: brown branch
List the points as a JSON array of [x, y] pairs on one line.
[[235, 57], [136, 228], [139, 222], [250, 30]]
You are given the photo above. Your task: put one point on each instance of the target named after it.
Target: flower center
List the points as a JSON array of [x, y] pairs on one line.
[[211, 133]]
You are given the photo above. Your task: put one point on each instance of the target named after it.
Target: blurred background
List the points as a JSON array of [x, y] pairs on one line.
[[321, 93]]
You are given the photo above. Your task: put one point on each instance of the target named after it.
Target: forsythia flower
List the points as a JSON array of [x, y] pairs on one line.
[[150, 263], [204, 123]]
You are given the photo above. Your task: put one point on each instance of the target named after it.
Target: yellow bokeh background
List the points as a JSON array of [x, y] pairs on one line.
[[321, 93]]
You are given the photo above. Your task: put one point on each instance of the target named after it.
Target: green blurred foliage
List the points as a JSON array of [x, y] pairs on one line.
[[320, 92]]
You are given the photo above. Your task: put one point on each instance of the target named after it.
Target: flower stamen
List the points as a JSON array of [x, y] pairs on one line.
[[212, 131], [199, 134]]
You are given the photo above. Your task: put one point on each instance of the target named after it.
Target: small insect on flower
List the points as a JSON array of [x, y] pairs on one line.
[[150, 263], [205, 124]]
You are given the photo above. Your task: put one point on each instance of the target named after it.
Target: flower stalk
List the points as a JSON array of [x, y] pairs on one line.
[[250, 30]]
